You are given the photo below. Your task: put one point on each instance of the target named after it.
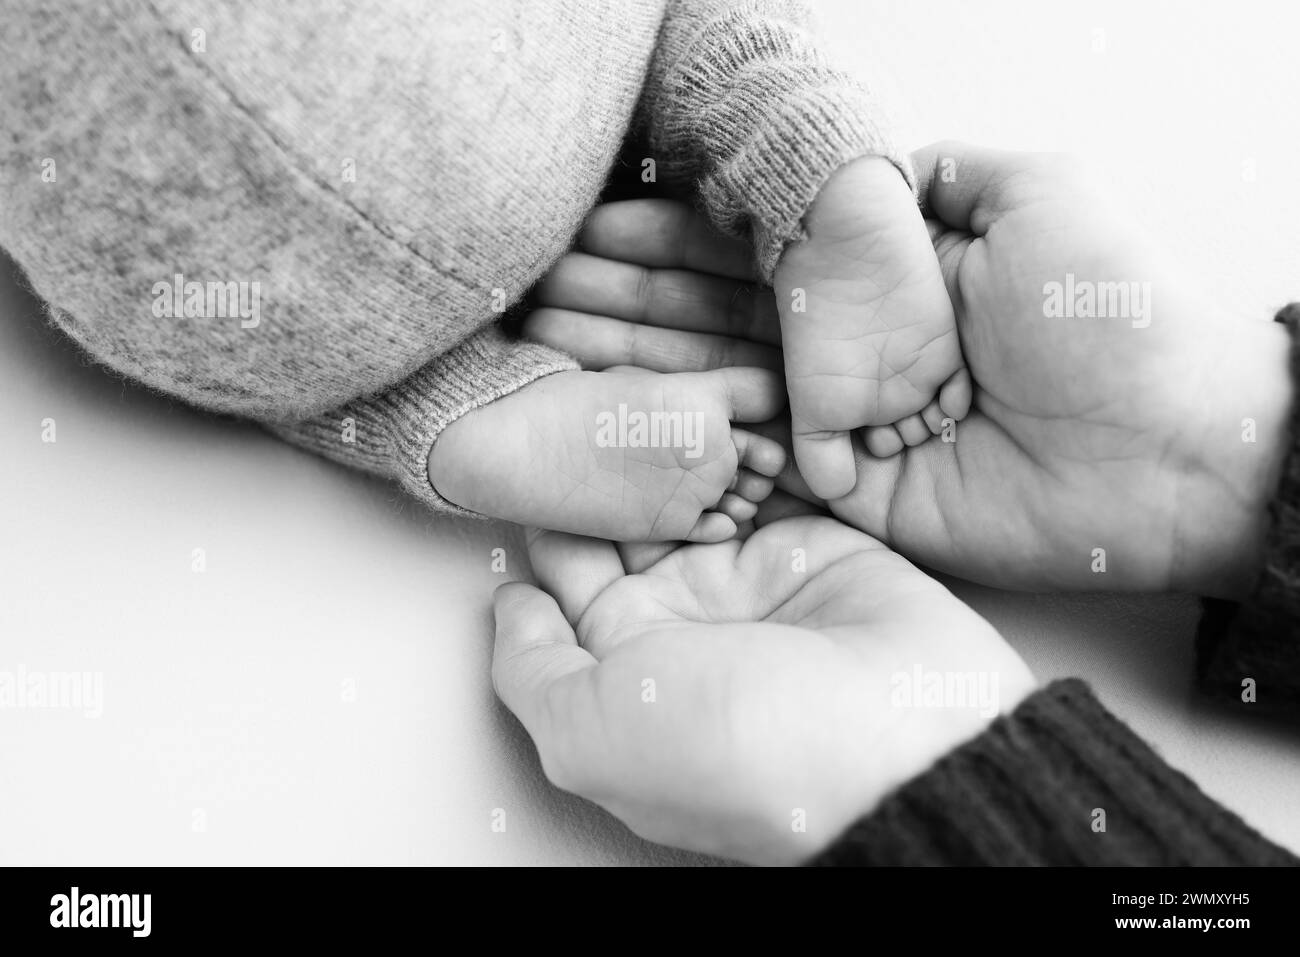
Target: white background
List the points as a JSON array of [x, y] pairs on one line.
[[224, 691]]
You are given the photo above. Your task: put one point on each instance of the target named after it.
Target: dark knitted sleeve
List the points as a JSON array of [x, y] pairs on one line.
[[1060, 781], [1249, 654]]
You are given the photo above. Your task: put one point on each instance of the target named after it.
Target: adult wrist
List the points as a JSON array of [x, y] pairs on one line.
[[927, 737], [1248, 654], [1244, 440], [1061, 781]]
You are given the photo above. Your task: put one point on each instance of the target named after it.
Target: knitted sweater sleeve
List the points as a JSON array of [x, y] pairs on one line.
[[212, 251], [1248, 655], [1060, 781], [392, 433], [741, 106]]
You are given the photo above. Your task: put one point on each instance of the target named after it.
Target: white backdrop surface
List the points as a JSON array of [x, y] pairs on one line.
[[320, 692]]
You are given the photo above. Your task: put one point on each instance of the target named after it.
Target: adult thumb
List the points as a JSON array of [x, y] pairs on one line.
[[535, 647]]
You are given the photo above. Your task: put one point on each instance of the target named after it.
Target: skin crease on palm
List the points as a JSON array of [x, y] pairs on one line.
[[1085, 434], [773, 681]]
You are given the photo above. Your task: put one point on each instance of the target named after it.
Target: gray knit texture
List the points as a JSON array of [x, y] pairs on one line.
[[389, 172]]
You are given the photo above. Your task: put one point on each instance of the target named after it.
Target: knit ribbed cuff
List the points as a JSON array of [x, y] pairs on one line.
[[1249, 654], [1059, 781], [807, 134], [742, 105], [482, 369]]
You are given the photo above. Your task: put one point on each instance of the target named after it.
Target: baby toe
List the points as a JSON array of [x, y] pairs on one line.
[[913, 430], [752, 486], [934, 417], [758, 453], [956, 395], [711, 528], [738, 509], [883, 441]]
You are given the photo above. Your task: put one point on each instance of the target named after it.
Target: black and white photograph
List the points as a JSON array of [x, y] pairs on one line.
[[624, 433]]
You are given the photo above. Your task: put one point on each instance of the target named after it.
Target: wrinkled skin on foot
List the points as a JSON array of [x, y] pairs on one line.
[[866, 326], [625, 454]]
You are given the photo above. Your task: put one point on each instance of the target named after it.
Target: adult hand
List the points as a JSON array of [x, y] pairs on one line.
[[748, 700], [1146, 444]]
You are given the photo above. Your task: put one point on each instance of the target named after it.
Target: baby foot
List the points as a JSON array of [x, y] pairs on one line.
[[867, 327], [627, 455]]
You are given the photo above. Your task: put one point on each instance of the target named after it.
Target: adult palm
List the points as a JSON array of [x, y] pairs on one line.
[[742, 699], [1104, 450], [1101, 452]]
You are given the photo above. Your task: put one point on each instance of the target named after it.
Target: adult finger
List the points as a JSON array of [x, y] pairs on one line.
[[638, 556], [599, 342], [950, 246], [968, 187], [672, 298], [665, 235], [781, 505], [573, 569], [535, 648], [789, 479]]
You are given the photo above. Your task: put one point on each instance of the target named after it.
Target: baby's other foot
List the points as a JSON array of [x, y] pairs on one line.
[[627, 455], [868, 330]]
